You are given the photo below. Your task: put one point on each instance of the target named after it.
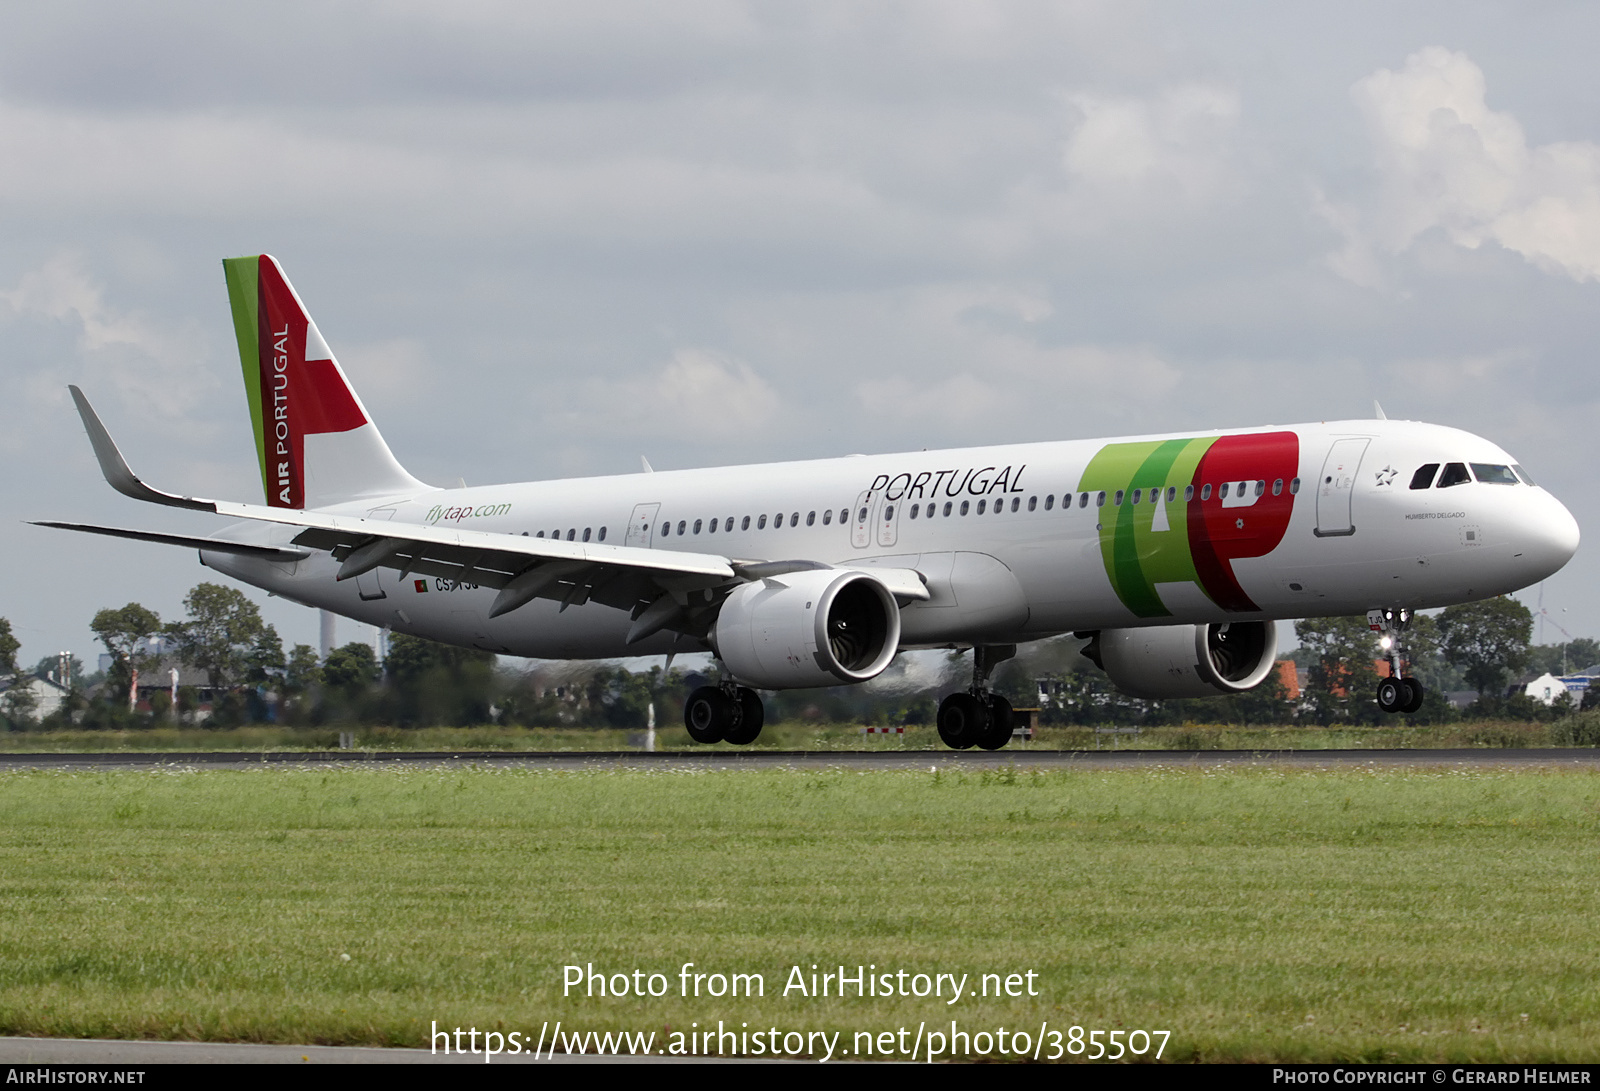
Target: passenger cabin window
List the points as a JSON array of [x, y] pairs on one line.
[[827, 517], [1188, 493], [1205, 492], [1033, 503], [811, 518], [744, 524], [964, 507], [1423, 478], [1493, 475], [1455, 473], [602, 534], [761, 523], [981, 505]]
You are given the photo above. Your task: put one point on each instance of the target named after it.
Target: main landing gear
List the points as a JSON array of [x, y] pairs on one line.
[[978, 717], [1395, 693], [724, 713]]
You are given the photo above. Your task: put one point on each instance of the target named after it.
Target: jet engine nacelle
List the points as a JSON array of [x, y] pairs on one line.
[[1187, 660], [812, 628]]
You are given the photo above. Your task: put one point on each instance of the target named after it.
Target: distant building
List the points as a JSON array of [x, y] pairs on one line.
[[1545, 688], [47, 693], [1289, 675], [167, 676], [1577, 682]]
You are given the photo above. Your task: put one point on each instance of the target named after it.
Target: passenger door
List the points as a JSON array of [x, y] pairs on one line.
[[1337, 485], [642, 525]]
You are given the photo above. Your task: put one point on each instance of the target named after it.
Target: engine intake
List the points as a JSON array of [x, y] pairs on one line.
[[804, 629], [1186, 660]]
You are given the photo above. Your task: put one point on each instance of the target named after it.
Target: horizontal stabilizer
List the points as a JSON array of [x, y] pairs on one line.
[[210, 545]]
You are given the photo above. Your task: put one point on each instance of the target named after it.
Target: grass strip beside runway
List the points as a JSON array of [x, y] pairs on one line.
[[1256, 914], [1398, 733]]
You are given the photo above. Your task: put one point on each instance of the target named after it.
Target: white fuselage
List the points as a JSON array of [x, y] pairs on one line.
[[1011, 561]]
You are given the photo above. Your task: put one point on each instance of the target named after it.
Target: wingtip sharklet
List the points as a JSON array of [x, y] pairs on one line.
[[115, 468]]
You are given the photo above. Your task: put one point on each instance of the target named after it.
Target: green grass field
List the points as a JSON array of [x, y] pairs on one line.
[[1398, 734], [1257, 914]]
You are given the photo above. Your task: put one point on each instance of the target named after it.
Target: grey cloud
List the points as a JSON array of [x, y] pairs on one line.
[[869, 226]]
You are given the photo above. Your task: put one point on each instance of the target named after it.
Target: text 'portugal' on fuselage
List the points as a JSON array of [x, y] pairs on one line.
[[1178, 553]]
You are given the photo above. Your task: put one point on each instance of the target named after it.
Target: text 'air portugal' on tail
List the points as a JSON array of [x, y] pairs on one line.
[[316, 443]]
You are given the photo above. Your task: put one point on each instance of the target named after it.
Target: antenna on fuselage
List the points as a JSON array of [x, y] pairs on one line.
[[1378, 410]]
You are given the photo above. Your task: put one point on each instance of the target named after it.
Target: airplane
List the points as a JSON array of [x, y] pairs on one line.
[[1175, 554]]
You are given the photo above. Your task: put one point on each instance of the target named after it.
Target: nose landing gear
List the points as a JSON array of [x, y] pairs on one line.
[[977, 717], [1396, 693]]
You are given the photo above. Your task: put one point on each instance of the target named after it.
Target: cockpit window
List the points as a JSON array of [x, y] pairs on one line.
[[1493, 475], [1455, 473], [1424, 476], [1526, 480]]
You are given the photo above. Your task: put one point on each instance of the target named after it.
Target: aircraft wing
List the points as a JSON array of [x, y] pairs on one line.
[[661, 589]]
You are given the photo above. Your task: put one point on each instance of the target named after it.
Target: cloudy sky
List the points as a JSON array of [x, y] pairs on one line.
[[544, 239]]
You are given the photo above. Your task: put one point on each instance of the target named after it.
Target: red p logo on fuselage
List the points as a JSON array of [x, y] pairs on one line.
[[1256, 472]]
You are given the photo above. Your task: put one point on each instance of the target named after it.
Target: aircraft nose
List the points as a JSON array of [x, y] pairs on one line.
[[1553, 538]]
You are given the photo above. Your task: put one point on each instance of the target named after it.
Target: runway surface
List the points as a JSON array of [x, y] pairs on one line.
[[733, 760]]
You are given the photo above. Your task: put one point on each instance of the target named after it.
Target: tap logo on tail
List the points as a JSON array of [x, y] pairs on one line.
[[294, 386]]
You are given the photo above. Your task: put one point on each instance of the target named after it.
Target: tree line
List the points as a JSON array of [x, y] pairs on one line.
[[1477, 647], [237, 672]]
